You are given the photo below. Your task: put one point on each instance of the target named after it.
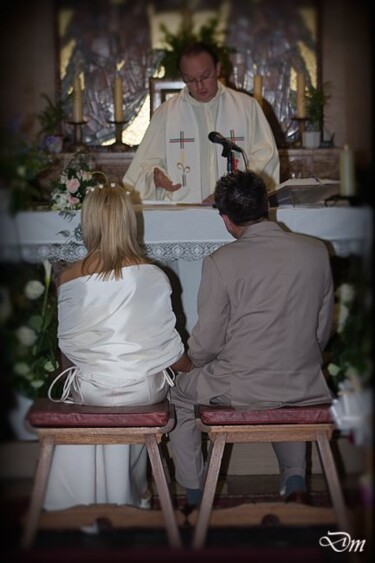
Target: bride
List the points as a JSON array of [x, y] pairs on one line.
[[117, 332]]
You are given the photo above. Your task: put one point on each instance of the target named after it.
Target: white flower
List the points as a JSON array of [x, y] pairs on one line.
[[47, 271], [333, 369], [61, 201], [5, 305], [346, 293], [343, 315], [21, 368], [34, 289], [21, 171], [49, 366], [37, 384], [27, 336]]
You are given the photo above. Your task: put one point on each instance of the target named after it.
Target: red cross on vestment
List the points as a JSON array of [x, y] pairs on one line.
[[182, 140], [233, 138]]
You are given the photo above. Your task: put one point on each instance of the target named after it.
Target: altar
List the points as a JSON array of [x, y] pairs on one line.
[[178, 237]]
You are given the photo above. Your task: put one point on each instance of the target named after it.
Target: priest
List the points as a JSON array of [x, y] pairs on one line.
[[177, 160]]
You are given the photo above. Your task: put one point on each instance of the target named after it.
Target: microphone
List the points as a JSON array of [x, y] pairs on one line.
[[216, 137]]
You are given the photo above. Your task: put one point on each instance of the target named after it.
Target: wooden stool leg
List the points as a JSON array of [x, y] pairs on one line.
[[163, 491], [333, 482], [39, 491], [216, 455]]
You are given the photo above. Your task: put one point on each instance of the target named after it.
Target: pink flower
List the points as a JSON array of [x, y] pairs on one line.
[[73, 185], [73, 200]]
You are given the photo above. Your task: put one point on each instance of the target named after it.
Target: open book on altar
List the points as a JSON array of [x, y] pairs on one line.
[[304, 192]]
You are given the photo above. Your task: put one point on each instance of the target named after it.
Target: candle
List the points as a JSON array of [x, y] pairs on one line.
[[257, 89], [119, 112], [347, 181], [77, 100], [301, 95]]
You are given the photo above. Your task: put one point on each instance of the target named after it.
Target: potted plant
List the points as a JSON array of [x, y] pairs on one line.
[[23, 164], [316, 100], [50, 119]]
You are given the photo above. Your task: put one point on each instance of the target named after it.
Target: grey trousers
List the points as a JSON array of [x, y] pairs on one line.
[[186, 439]]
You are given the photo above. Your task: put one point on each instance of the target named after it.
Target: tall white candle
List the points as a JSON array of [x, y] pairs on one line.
[[347, 180], [257, 88], [117, 94], [77, 100], [301, 111]]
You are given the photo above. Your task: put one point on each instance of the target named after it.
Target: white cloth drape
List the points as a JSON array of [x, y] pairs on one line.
[[121, 335]]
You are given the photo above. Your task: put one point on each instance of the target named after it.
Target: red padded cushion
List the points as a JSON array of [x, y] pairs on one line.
[[46, 413], [220, 415]]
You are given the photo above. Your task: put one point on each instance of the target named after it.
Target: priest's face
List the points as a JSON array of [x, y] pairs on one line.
[[200, 74]]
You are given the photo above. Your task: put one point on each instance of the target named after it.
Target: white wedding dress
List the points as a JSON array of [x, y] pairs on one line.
[[120, 335]]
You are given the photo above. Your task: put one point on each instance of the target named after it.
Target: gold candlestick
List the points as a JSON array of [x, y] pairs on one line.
[[119, 145], [78, 144]]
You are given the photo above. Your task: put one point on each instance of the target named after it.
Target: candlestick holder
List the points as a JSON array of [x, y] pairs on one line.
[[118, 145], [78, 144], [338, 199], [301, 122]]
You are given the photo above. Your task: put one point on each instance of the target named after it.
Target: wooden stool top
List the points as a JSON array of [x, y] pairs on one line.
[[226, 415], [46, 413]]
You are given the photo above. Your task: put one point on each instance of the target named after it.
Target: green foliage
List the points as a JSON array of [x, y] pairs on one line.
[[208, 33], [316, 100], [28, 328], [349, 351], [21, 165], [52, 116]]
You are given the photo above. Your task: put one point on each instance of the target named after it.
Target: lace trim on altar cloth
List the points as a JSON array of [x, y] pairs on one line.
[[73, 251], [163, 252]]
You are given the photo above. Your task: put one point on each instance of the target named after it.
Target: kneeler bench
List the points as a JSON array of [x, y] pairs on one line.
[[61, 423], [287, 424]]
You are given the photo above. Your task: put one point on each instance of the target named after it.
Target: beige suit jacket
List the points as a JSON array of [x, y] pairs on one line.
[[265, 307]]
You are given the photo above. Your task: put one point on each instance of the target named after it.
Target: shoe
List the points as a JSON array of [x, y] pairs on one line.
[[101, 524], [294, 483], [92, 530], [299, 497], [194, 497], [145, 502]]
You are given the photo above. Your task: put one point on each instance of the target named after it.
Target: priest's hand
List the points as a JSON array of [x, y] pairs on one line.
[[162, 181]]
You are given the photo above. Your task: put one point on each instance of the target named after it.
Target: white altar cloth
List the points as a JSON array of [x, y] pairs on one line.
[[179, 237], [193, 230]]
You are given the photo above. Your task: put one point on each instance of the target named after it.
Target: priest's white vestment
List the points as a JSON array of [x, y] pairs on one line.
[[176, 141]]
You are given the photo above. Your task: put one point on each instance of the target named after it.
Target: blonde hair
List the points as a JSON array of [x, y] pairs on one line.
[[109, 227]]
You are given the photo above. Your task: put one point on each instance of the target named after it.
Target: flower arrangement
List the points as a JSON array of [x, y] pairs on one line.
[[28, 326], [350, 348], [70, 188]]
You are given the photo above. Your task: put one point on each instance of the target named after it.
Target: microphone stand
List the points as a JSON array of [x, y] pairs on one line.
[[228, 154]]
